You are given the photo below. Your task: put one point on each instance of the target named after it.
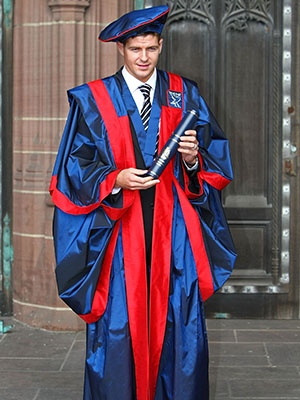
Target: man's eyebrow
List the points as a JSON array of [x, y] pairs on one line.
[[139, 47]]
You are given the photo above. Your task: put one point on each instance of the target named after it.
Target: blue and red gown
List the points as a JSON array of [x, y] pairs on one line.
[[146, 334]]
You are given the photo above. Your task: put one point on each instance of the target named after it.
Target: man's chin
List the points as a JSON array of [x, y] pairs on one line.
[[144, 74]]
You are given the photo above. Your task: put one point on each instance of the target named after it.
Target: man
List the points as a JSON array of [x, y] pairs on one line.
[[137, 256]]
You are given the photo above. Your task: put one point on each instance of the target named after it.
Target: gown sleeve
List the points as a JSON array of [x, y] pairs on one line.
[[204, 189], [214, 174], [83, 178]]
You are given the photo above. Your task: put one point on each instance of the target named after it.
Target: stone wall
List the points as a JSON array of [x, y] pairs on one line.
[[55, 48]]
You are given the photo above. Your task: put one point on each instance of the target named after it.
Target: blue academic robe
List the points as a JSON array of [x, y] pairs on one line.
[[146, 335]]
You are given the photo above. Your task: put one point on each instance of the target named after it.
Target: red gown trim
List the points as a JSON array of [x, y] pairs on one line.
[[101, 293], [162, 239], [66, 205], [132, 238]]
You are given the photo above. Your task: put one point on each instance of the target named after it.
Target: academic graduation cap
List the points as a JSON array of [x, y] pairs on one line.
[[135, 23]]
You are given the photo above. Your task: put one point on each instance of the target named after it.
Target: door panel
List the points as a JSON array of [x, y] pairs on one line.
[[238, 51], [250, 83]]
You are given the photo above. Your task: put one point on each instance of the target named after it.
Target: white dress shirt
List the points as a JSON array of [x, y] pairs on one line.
[[133, 86]]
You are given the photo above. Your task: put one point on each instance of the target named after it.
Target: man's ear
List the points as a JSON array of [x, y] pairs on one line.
[[160, 44], [120, 48]]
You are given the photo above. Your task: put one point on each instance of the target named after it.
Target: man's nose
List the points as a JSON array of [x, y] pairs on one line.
[[144, 55]]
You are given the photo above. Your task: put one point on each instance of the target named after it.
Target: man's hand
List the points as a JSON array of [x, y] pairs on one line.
[[188, 147], [132, 179]]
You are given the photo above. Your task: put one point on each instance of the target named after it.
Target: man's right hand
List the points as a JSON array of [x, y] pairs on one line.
[[133, 179]]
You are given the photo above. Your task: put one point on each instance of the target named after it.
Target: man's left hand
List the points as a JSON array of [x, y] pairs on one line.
[[188, 147]]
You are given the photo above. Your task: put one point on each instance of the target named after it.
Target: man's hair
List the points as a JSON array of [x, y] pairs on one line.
[[143, 34]]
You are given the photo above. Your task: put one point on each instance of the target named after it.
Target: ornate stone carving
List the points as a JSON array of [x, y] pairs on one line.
[[68, 10], [198, 10], [239, 12]]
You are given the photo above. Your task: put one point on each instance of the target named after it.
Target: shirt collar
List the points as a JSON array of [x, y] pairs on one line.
[[133, 83]]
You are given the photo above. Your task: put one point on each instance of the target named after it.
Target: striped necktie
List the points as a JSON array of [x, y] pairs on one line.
[[146, 109]]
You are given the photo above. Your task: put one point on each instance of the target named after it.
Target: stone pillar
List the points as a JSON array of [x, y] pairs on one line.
[[68, 10], [48, 59]]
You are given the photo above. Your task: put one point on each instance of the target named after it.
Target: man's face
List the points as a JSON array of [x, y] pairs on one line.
[[141, 55]]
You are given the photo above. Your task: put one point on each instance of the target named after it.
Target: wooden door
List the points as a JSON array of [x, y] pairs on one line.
[[239, 53]]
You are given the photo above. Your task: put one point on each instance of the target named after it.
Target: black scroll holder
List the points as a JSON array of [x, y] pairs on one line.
[[168, 151]]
